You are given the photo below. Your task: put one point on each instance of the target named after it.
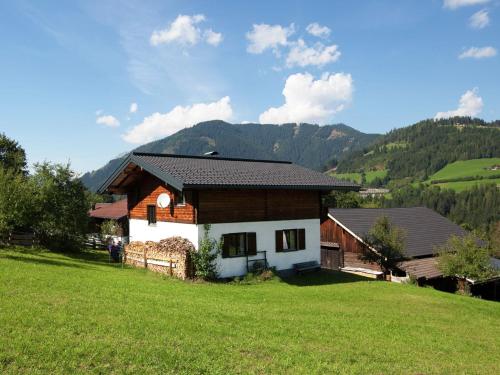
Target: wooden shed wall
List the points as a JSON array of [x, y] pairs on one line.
[[351, 247]]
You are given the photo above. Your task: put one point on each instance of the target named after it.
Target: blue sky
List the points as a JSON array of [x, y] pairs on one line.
[[71, 71]]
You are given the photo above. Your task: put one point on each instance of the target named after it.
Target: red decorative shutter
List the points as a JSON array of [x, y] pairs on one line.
[[279, 240], [302, 239], [251, 243]]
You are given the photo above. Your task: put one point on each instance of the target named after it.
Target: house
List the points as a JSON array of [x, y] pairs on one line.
[[117, 211], [261, 209], [343, 232]]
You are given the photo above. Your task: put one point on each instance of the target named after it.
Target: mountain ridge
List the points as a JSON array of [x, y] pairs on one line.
[[309, 145]]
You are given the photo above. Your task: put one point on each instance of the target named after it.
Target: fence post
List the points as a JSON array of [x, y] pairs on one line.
[[145, 257]]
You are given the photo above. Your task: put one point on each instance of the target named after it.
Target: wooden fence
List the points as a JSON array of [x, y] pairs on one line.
[[21, 239]]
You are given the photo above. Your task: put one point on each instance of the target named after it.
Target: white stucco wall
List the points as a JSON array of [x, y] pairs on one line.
[[265, 231], [141, 231]]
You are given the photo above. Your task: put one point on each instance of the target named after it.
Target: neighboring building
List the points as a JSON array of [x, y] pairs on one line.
[[425, 230], [260, 208], [117, 211], [373, 192]]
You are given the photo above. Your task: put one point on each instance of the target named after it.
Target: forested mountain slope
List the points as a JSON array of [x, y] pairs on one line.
[[422, 149], [305, 144]]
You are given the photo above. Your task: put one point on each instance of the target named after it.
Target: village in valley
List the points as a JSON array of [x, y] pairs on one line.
[[196, 241]]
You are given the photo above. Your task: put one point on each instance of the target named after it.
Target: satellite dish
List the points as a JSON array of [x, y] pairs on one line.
[[163, 200]]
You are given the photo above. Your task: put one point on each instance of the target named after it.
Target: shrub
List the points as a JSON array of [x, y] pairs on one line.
[[204, 260]]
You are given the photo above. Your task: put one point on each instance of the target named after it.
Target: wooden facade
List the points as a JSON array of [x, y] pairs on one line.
[[350, 247], [223, 206]]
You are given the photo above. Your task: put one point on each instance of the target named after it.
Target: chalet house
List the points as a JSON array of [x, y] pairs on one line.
[[261, 209], [343, 231]]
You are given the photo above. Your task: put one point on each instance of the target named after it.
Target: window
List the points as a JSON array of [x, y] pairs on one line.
[[151, 214], [179, 199], [239, 244], [290, 240]]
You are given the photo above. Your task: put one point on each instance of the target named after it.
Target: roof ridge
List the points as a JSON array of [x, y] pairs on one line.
[[204, 157]]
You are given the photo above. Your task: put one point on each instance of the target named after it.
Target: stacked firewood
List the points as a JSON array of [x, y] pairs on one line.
[[170, 256]]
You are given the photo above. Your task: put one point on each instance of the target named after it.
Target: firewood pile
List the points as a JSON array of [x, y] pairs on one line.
[[171, 256]]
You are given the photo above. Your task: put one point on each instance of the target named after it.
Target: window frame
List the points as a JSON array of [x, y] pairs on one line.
[[182, 201], [250, 238], [151, 217], [300, 240]]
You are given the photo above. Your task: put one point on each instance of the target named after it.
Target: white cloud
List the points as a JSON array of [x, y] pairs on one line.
[[160, 125], [455, 4], [480, 19], [309, 100], [99, 112], [108, 120], [133, 107], [478, 53], [317, 30], [471, 104], [302, 55], [212, 37], [184, 30], [263, 37]]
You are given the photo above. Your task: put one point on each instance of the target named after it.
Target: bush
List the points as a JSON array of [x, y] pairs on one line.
[[204, 260]]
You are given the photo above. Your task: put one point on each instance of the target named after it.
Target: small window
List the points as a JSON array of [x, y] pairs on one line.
[[151, 214], [290, 239], [239, 244], [179, 199]]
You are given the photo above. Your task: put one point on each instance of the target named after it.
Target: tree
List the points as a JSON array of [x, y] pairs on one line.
[[60, 206], [388, 242], [464, 257], [340, 199], [16, 199], [204, 259], [12, 155]]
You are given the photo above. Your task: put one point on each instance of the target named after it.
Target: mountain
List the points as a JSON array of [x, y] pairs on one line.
[[309, 145], [420, 150]]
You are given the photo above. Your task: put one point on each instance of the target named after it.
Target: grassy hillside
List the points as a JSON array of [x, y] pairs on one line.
[[418, 151], [467, 168], [61, 314], [459, 186], [309, 145]]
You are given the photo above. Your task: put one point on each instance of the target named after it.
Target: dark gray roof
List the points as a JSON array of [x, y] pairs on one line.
[[425, 229], [196, 172]]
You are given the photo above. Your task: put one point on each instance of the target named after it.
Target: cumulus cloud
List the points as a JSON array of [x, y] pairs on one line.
[[263, 37], [480, 19], [212, 37], [478, 53], [160, 125], [455, 4], [108, 120], [309, 100], [303, 55], [317, 30], [133, 107], [184, 30], [470, 104]]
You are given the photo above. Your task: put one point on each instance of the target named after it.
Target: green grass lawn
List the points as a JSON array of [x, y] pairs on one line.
[[61, 314], [466, 168], [356, 177]]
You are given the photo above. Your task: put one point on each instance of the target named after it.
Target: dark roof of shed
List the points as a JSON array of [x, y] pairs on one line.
[[425, 229], [426, 268], [195, 172]]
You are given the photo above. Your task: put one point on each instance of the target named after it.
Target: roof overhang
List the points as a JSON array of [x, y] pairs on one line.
[[132, 165]]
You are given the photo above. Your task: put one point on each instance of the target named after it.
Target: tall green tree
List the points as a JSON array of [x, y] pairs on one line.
[[12, 155], [16, 200], [388, 242], [60, 206]]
